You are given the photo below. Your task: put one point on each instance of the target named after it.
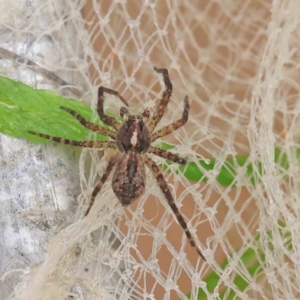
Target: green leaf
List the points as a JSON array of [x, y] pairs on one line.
[[23, 108]]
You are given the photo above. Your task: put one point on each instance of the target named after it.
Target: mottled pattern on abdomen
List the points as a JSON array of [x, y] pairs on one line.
[[129, 178]]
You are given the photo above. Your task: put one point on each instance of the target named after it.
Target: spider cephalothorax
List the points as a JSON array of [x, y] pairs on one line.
[[133, 139], [133, 136]]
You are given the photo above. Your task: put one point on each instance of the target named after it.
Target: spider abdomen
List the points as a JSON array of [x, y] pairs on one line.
[[129, 179]]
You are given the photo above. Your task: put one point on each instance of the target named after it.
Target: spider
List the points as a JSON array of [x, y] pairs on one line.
[[132, 139]]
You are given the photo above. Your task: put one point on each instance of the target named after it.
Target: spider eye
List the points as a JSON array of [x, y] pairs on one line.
[[124, 113], [146, 113]]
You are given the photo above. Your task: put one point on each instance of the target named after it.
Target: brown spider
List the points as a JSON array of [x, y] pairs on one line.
[[133, 140]]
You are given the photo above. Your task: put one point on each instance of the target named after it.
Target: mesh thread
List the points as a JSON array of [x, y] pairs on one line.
[[238, 63]]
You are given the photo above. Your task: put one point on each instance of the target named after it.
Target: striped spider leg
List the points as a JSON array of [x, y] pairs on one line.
[[132, 139]]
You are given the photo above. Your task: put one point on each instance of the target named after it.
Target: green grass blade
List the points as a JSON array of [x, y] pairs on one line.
[[229, 170], [250, 259]]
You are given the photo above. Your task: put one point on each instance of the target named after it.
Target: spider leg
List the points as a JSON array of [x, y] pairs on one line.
[[167, 155], [90, 125], [165, 189], [109, 168], [175, 125], [104, 118], [87, 144], [163, 102]]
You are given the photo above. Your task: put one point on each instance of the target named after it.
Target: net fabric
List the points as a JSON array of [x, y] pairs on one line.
[[238, 63]]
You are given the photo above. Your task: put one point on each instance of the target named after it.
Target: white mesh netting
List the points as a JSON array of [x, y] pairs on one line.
[[238, 61]]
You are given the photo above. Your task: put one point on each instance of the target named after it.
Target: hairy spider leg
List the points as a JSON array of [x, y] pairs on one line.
[[166, 191], [162, 105], [87, 144], [90, 125], [167, 155], [103, 117], [97, 189], [175, 125], [151, 124]]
